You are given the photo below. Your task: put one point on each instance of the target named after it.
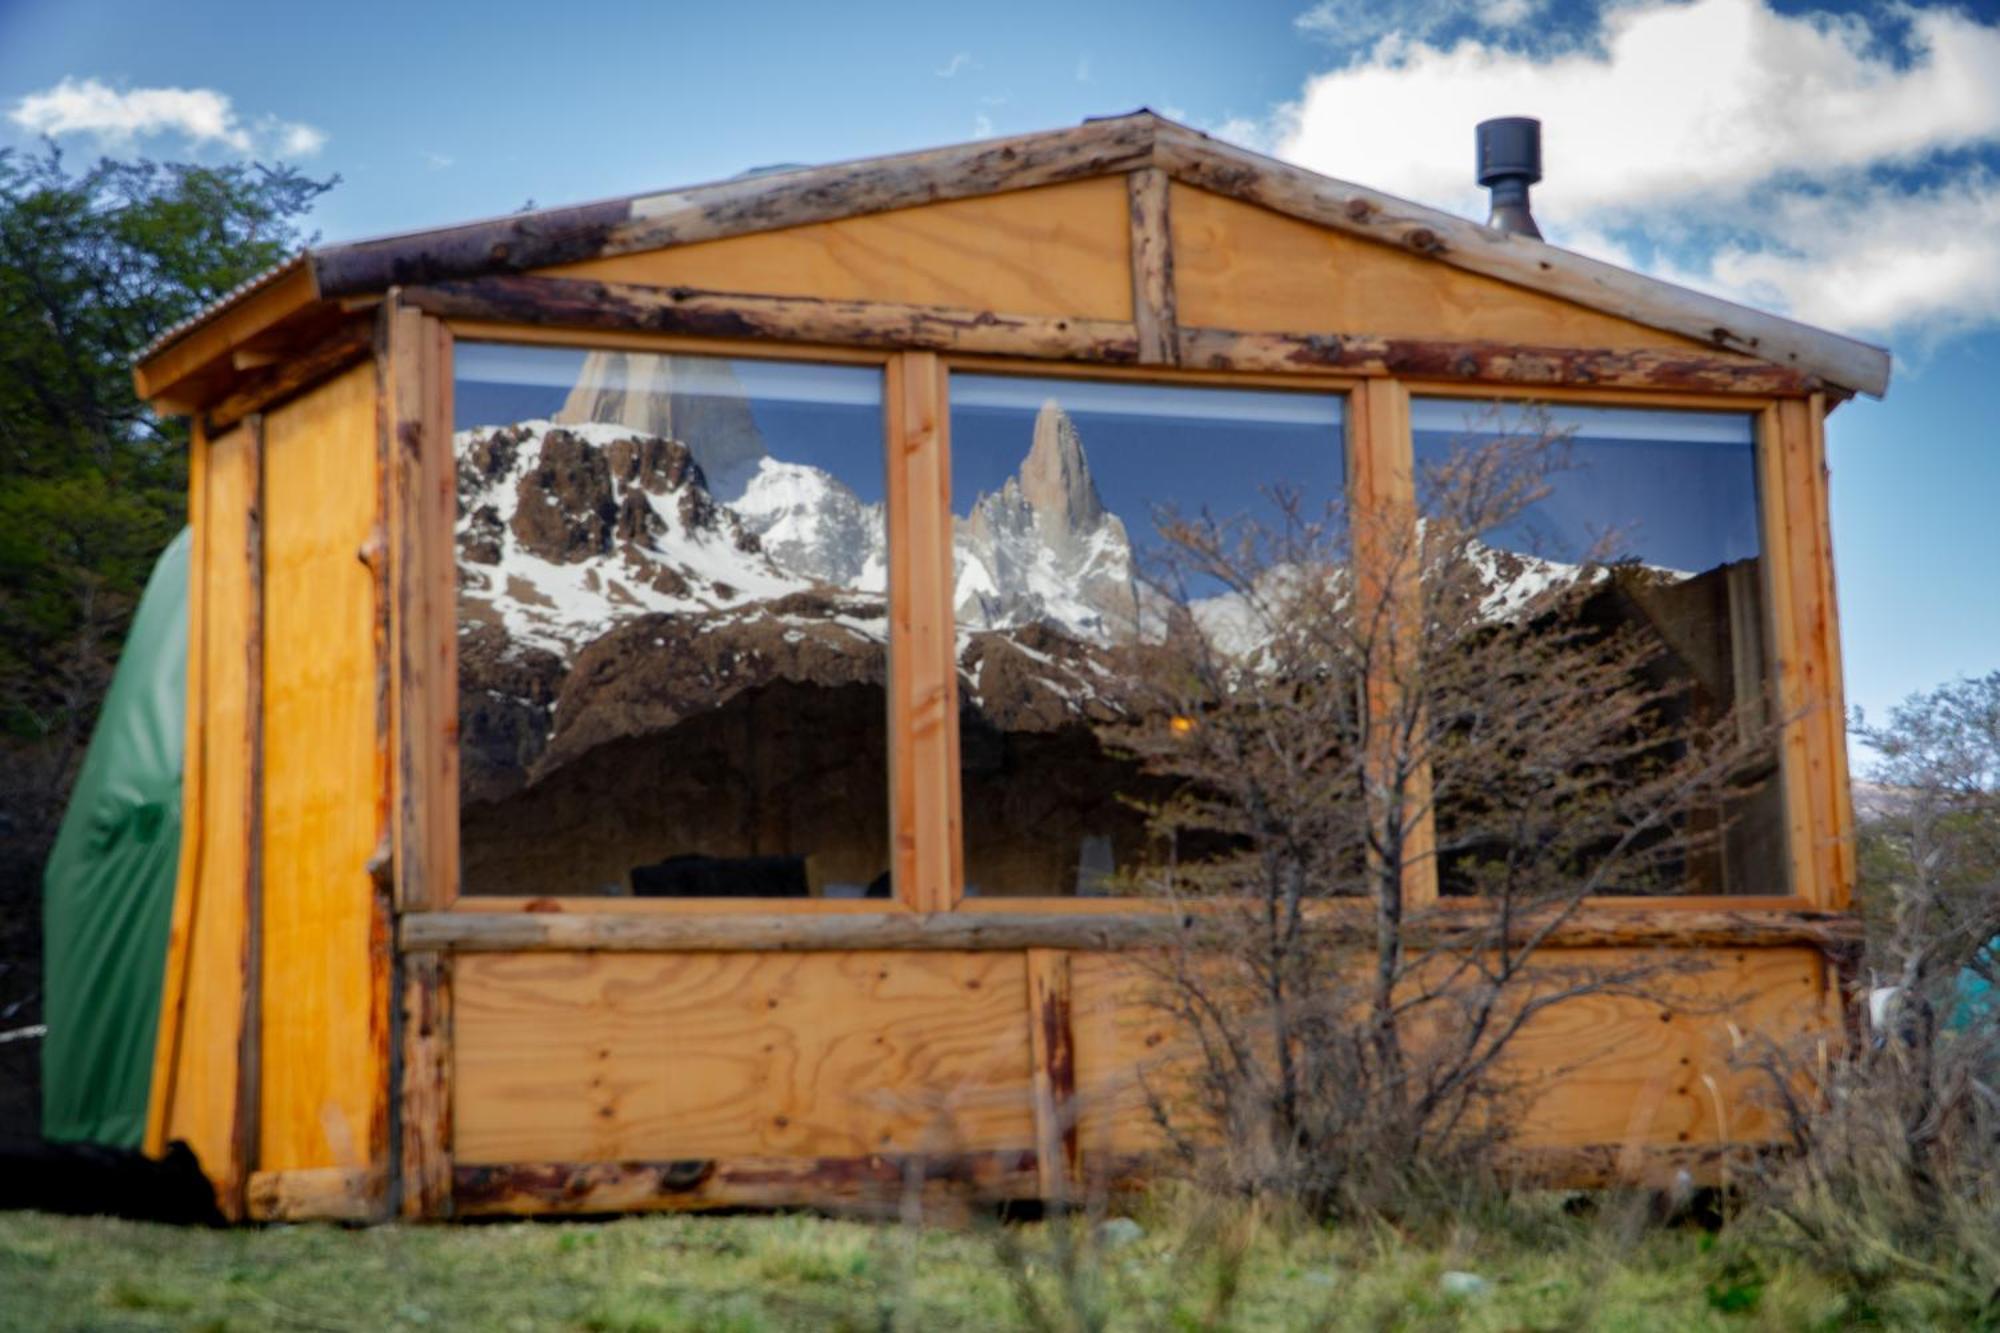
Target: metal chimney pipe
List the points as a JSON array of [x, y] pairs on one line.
[[1510, 160]]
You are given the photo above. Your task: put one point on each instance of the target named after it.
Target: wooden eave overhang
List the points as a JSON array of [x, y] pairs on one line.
[[197, 362]]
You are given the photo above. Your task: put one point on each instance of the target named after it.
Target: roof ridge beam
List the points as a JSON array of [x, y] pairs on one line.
[[1195, 159], [740, 206]]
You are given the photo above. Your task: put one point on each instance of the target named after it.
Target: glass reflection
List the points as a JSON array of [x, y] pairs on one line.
[[672, 625], [1065, 494], [1655, 514]]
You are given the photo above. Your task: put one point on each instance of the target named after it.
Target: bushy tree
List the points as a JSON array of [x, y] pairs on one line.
[[1893, 1184], [94, 264]]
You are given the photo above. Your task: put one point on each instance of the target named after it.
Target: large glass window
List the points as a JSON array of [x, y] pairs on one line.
[[1066, 495], [1652, 516], [672, 625]]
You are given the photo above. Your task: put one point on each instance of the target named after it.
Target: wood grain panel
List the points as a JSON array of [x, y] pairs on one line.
[[1056, 250], [326, 1009], [1621, 1070], [1122, 1048], [199, 1103], [1237, 266], [634, 1057], [1612, 1069]]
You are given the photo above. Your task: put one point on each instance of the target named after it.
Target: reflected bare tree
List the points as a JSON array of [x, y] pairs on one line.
[[1350, 709]]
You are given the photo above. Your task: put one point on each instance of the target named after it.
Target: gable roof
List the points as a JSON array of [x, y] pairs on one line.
[[793, 197]]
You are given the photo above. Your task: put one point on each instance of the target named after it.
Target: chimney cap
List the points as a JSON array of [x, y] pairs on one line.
[[1510, 148]]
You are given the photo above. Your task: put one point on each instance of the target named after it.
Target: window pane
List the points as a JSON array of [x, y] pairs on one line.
[[1664, 506], [1063, 496], [672, 625]]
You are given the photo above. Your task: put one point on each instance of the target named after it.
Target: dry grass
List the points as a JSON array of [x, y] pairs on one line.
[[1191, 1269]]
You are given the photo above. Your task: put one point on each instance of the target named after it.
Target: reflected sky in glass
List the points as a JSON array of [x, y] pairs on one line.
[[1672, 489], [1148, 447]]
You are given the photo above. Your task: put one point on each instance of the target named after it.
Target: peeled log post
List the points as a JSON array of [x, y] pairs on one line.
[[1153, 303]]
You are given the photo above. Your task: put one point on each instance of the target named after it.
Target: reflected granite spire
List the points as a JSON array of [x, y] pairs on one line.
[[1055, 478], [1043, 547]]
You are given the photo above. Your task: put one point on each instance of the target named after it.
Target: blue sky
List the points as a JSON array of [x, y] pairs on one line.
[[1838, 162]]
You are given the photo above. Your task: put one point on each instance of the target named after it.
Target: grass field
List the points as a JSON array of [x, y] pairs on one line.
[[1543, 1270]]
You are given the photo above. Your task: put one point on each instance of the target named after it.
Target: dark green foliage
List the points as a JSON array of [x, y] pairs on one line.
[[93, 265]]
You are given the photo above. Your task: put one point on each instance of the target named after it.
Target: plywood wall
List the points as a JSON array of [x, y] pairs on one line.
[[1604, 1070], [1057, 250], [614, 1057], [658, 1057], [195, 1078], [1237, 266], [324, 1005]]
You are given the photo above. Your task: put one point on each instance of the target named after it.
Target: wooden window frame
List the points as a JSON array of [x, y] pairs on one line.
[[927, 869]]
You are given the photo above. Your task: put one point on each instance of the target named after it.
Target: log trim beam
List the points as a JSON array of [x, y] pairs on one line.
[[580, 303], [891, 1185], [261, 392], [318, 1194], [1140, 928], [1140, 144], [1195, 159], [739, 207], [912, 1185]]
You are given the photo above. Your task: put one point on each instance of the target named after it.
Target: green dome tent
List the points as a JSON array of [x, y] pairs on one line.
[[108, 891]]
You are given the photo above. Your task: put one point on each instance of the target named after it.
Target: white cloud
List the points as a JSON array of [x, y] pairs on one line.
[[1682, 123], [300, 140], [1360, 24], [982, 126], [1083, 70], [202, 117], [949, 70]]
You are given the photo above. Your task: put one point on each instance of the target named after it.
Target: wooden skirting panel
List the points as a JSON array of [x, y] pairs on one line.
[[945, 1187], [319, 1194], [599, 1082], [878, 1185], [651, 1057]]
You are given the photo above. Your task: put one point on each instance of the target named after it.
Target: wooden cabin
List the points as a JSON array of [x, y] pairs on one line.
[[635, 753]]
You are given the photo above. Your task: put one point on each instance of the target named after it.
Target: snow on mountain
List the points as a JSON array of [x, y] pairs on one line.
[[565, 529], [568, 527], [813, 525]]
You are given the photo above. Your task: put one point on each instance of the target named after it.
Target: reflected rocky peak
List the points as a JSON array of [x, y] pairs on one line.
[[1043, 548], [697, 400], [1055, 477]]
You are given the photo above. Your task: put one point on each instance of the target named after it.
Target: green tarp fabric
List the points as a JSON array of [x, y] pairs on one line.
[[108, 891]]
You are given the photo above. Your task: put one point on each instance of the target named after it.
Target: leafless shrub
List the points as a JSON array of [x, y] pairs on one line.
[[1893, 1178], [1320, 695]]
